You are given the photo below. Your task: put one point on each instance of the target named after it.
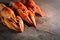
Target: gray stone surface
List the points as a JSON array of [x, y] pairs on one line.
[[51, 23]]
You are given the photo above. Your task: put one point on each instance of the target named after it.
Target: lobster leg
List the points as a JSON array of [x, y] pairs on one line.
[[32, 18]]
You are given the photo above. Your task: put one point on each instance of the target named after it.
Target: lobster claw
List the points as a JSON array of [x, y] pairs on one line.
[[17, 26], [28, 17], [25, 16], [38, 11], [10, 20], [32, 17], [34, 7], [24, 12], [32, 11]]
